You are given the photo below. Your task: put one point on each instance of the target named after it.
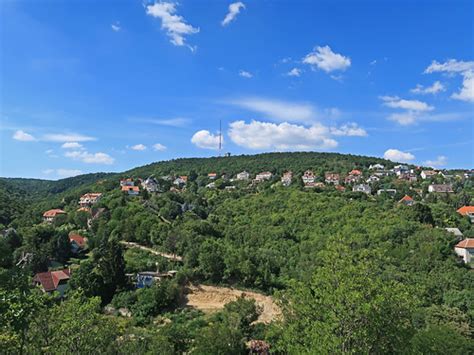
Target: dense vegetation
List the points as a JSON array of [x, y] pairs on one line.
[[353, 273]]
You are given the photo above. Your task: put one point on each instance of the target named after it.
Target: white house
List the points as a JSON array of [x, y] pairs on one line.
[[391, 192], [243, 176], [400, 169], [440, 188], [266, 175], [150, 184], [456, 232], [50, 216], [180, 180], [427, 174], [373, 178], [362, 188], [376, 167], [332, 178], [308, 177], [89, 199], [286, 178], [465, 249]]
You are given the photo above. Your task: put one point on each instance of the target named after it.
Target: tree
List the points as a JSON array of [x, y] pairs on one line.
[[211, 262], [441, 340]]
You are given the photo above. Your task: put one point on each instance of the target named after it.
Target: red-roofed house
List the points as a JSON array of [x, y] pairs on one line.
[[465, 249], [467, 211], [50, 215], [51, 281], [355, 172], [131, 190], [212, 176], [78, 242], [407, 200], [89, 199]]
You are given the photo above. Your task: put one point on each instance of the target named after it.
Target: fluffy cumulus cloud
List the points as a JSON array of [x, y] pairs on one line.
[[398, 156], [440, 161], [433, 89], [138, 147], [245, 74], [325, 59], [453, 67], [283, 136], [205, 139], [72, 145], [413, 105], [349, 130], [90, 158], [175, 26], [23, 136], [294, 72], [159, 147], [234, 10]]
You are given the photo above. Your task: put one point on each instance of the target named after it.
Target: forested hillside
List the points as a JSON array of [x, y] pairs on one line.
[[351, 272]]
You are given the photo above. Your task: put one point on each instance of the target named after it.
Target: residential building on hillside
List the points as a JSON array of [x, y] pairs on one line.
[[212, 176], [211, 185], [366, 189], [50, 216], [89, 199], [440, 188], [355, 172], [456, 232], [428, 174], [131, 190], [351, 179], [332, 178], [372, 179], [243, 176], [286, 178], [465, 249], [78, 242], [376, 167], [467, 211], [308, 177], [150, 184], [410, 177], [407, 201], [400, 169], [266, 175], [391, 192], [127, 182], [51, 281], [181, 181]]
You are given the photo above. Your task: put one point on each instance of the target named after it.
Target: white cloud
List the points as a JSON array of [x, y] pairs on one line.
[[453, 66], [433, 89], [467, 91], [159, 147], [172, 122], [294, 72], [281, 110], [67, 137], [138, 147], [440, 161], [72, 145], [116, 26], [398, 156], [283, 136], [205, 139], [23, 136], [90, 158], [413, 105], [234, 10], [325, 59], [245, 74], [350, 130], [175, 26], [404, 118]]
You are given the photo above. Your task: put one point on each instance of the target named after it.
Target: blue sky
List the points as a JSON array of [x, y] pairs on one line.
[[92, 86]]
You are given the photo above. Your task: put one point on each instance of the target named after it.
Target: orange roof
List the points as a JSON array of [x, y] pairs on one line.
[[79, 239], [53, 213], [465, 210], [130, 188], [406, 198], [83, 209], [355, 172], [466, 244], [50, 279]]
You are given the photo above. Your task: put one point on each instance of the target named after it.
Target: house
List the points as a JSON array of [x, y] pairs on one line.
[[340, 188], [286, 178], [376, 167], [400, 169], [383, 173], [465, 249], [181, 181], [332, 178], [440, 188], [50, 216], [351, 179], [211, 185], [362, 188], [131, 190], [229, 188], [78, 242], [127, 182], [52, 281], [89, 199], [84, 209], [212, 176], [407, 201], [266, 175], [390, 192], [311, 185], [410, 177], [445, 175], [355, 172], [150, 184], [372, 179], [243, 176], [148, 278], [467, 211], [456, 232], [428, 174], [308, 177]]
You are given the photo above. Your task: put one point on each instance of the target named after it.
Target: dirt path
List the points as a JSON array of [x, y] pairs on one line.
[[213, 298], [153, 251]]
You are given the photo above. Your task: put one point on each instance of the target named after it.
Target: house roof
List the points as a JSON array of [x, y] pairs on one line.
[[355, 172], [78, 239], [53, 212], [83, 209], [406, 198], [130, 188], [465, 210], [212, 174], [50, 280], [466, 244], [91, 195]]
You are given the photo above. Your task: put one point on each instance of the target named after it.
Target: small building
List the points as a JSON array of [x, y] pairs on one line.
[[407, 201], [211, 185], [400, 169], [428, 174], [229, 188], [131, 190], [465, 249], [308, 177], [467, 211], [150, 184], [410, 177], [355, 172], [391, 192], [340, 188], [266, 175], [148, 278], [243, 176], [362, 188], [372, 179], [181, 181], [332, 178], [127, 182], [376, 167], [50, 216], [440, 188], [89, 199], [212, 176], [78, 243], [351, 179], [456, 232], [286, 178], [51, 281]]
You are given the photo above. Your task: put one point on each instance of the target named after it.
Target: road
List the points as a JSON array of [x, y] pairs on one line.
[[153, 251]]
